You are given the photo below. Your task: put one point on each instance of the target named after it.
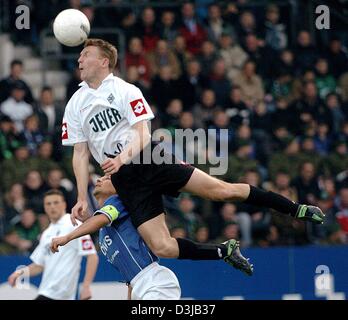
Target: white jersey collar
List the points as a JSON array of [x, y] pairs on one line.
[[109, 77]]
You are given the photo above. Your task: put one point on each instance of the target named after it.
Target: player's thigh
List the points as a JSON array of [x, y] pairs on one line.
[[155, 231], [208, 187]]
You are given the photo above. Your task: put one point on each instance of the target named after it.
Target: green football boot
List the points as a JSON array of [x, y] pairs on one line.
[[310, 213], [236, 259]]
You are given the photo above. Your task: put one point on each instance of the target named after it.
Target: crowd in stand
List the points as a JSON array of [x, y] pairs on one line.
[[285, 108]]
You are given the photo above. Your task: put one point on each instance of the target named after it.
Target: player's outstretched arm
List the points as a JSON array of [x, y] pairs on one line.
[[80, 165], [32, 270], [90, 226]]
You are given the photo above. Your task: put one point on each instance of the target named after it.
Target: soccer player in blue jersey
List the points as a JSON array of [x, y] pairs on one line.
[[123, 247]]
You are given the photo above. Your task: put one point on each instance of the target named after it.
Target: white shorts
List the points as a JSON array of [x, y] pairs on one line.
[[155, 282]]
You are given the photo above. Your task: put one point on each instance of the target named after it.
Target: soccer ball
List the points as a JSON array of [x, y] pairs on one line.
[[71, 27]]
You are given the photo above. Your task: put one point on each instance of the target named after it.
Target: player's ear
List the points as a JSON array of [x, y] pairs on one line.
[[105, 62]]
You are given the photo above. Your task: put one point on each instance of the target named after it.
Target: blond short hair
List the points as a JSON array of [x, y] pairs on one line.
[[106, 49]]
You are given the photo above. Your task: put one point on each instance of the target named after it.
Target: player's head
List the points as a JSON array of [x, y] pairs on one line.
[[104, 188], [54, 204], [97, 57]]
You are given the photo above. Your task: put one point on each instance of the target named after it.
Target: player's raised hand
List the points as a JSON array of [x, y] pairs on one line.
[[59, 241], [79, 212], [111, 166]]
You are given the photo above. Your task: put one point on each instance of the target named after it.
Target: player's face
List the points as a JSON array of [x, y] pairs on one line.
[[104, 186], [55, 207], [90, 61]]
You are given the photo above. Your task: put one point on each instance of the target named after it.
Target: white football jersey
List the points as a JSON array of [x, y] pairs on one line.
[[103, 116], [62, 269]]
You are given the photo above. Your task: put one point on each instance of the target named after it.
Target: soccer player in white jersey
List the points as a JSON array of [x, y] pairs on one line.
[[109, 117], [123, 247], [60, 272]]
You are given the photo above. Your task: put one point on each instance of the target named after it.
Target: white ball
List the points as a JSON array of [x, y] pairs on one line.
[[71, 27]]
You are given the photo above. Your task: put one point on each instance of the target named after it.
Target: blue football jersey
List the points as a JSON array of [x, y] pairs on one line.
[[121, 243]]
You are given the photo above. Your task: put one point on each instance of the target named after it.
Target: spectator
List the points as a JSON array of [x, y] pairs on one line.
[[178, 231], [230, 215], [24, 234], [49, 113], [215, 25], [147, 30], [204, 111], [306, 184], [32, 134], [229, 231], [324, 81], [281, 185], [189, 217], [9, 140], [275, 32], [286, 63], [342, 211], [343, 87], [14, 204], [168, 28], [236, 109], [190, 29], [15, 169], [14, 79], [192, 83], [207, 57], [34, 189], [44, 158], [55, 180], [165, 84], [333, 103], [309, 153], [136, 57], [250, 84], [337, 161], [337, 57], [232, 54], [322, 139], [134, 78], [288, 159], [283, 115], [181, 52], [219, 82], [171, 117], [240, 161], [246, 26], [15, 107], [221, 122], [202, 234], [305, 52], [163, 56], [310, 107]]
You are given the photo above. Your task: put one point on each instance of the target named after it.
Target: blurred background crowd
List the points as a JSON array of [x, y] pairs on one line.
[[280, 89]]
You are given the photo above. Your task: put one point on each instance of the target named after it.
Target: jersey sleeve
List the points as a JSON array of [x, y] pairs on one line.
[[135, 107], [110, 212], [85, 246], [72, 132], [38, 255]]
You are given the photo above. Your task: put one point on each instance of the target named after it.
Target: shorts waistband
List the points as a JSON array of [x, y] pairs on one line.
[[142, 272]]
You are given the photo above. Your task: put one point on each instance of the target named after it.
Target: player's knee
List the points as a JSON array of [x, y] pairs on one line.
[[162, 248], [226, 192]]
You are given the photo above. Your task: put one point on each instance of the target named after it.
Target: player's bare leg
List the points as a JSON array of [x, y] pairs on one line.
[[163, 245], [160, 242], [205, 186]]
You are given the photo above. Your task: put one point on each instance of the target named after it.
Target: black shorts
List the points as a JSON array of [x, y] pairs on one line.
[[141, 186]]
